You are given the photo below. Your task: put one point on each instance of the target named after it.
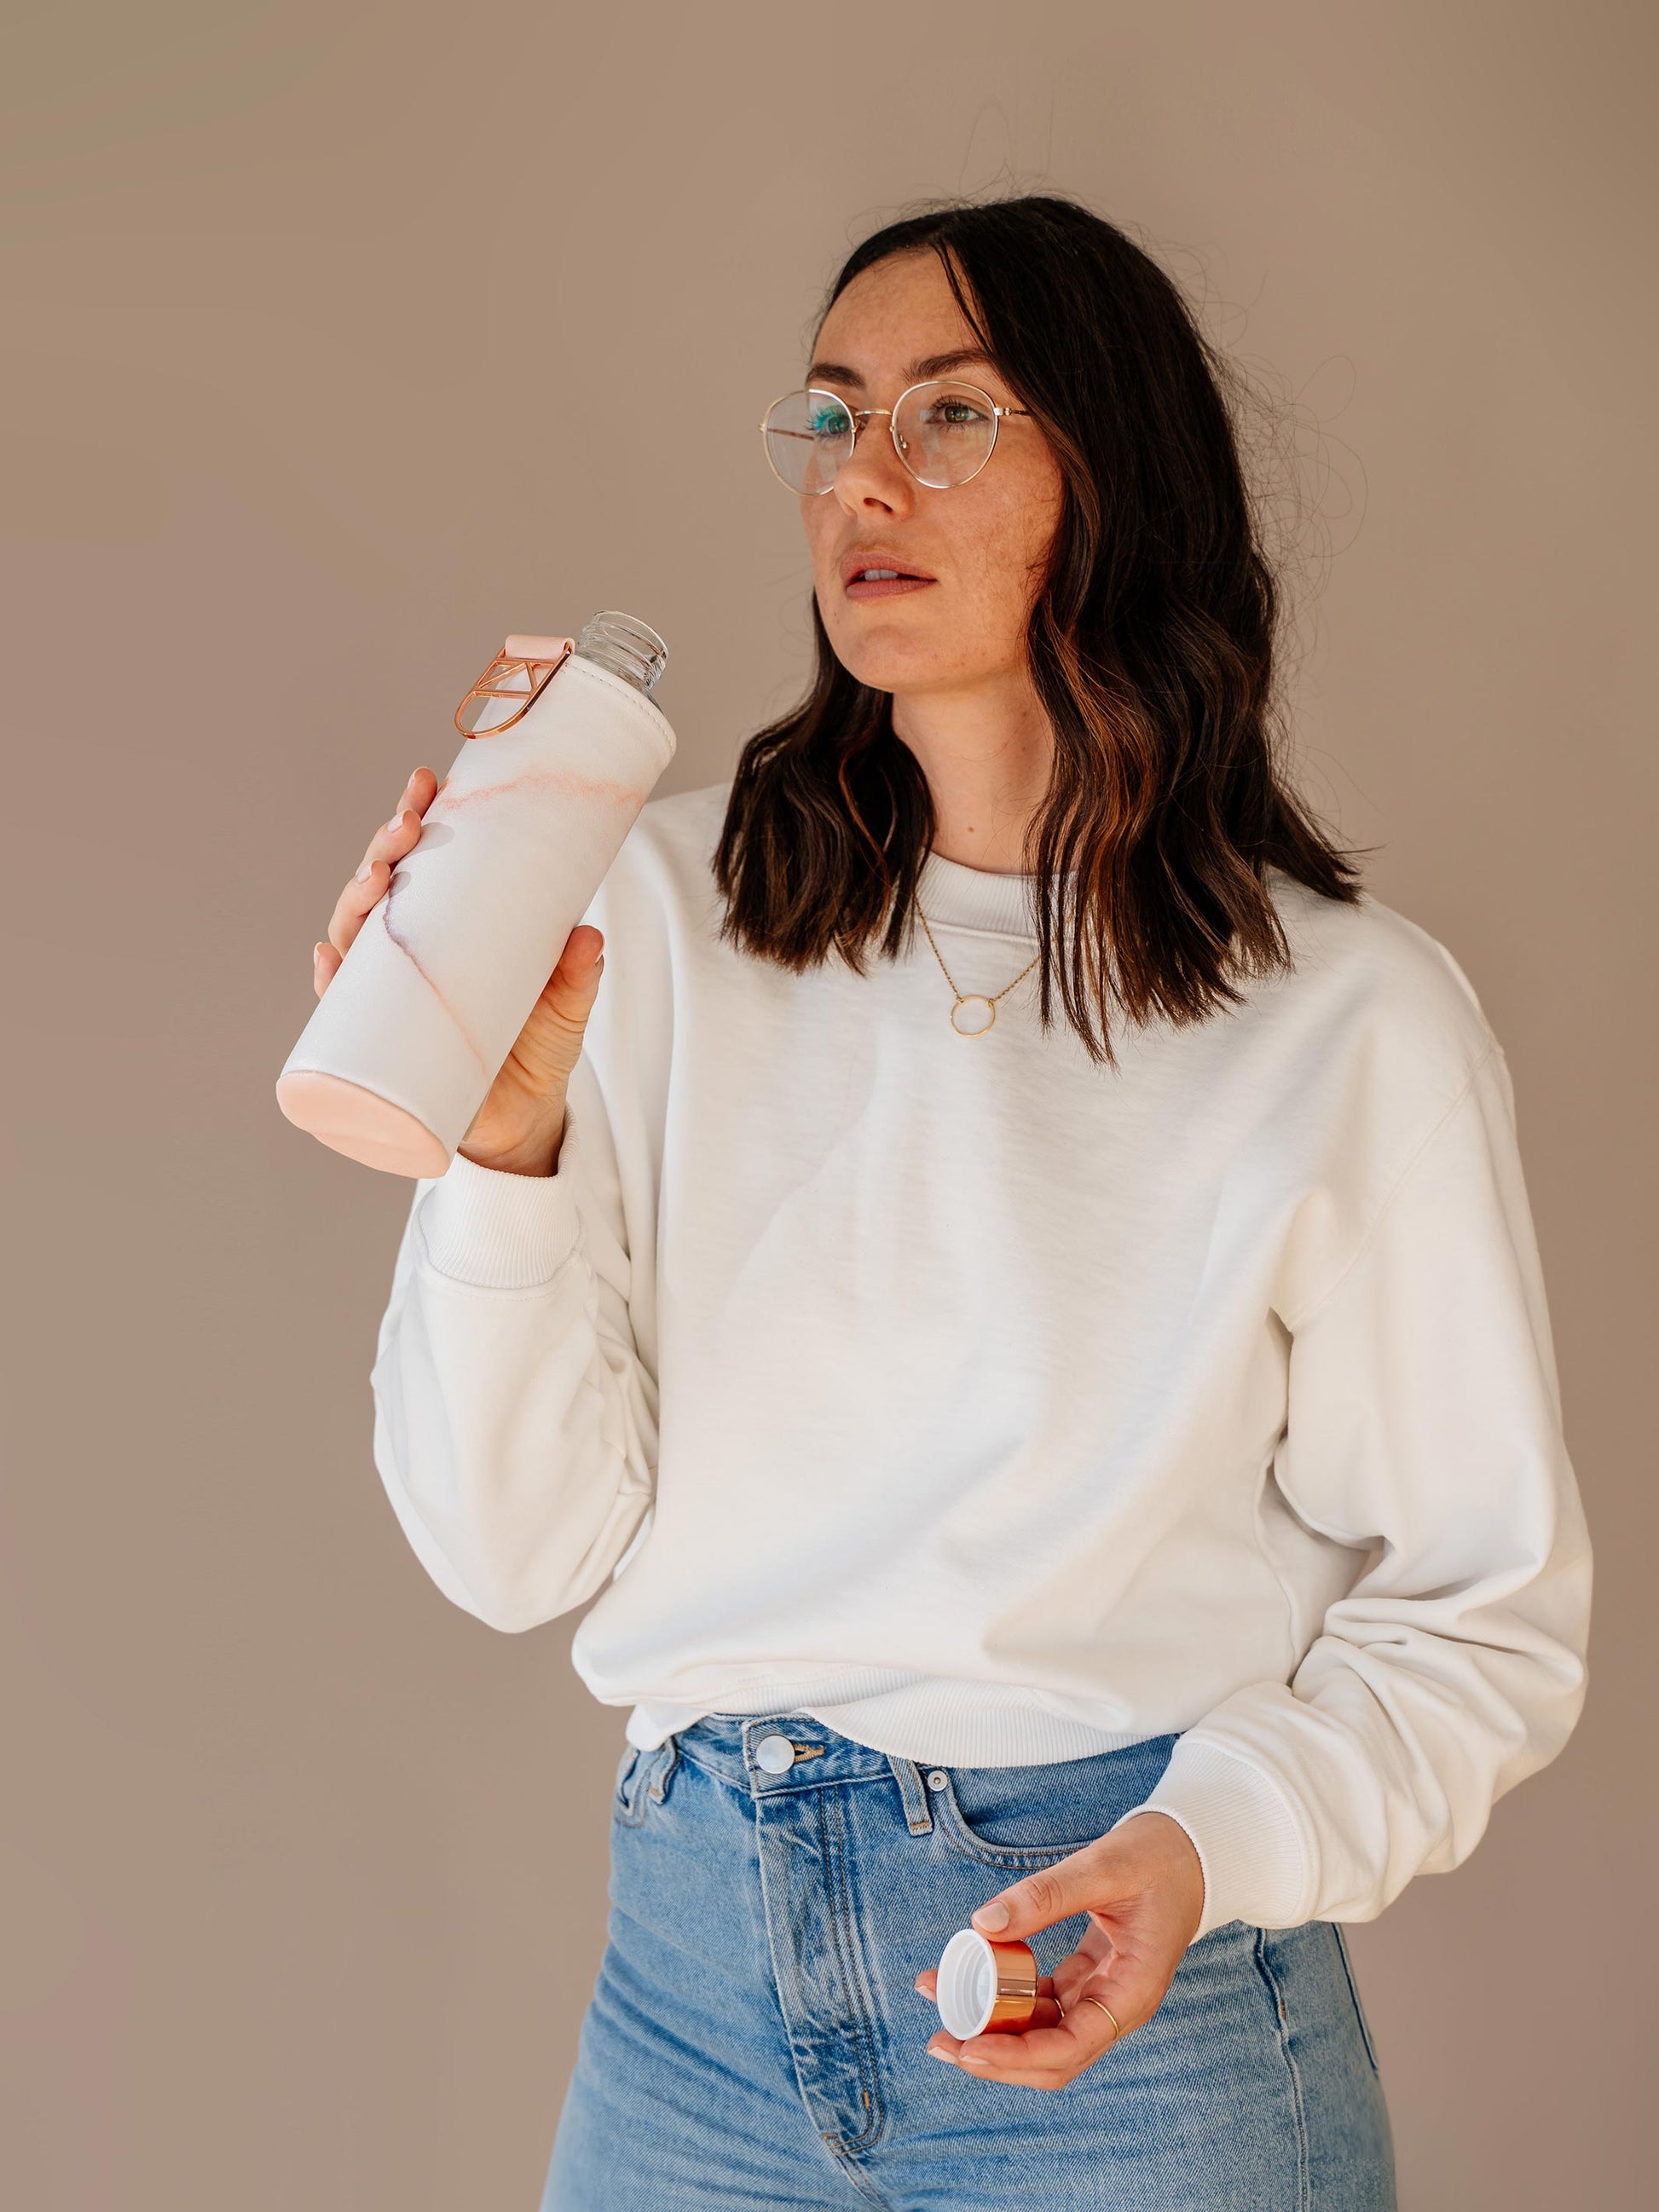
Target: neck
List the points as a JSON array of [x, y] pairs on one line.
[[986, 754]]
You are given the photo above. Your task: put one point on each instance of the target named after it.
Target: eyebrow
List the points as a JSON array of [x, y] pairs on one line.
[[919, 372]]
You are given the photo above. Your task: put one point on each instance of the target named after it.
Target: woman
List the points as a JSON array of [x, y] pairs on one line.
[[1098, 1472]]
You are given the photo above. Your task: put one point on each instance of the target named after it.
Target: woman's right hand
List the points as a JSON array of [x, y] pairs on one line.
[[519, 1125]]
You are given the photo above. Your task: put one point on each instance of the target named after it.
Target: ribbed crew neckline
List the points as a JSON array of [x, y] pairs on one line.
[[955, 897]]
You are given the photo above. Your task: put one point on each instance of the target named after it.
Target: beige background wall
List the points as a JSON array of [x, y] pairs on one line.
[[345, 337]]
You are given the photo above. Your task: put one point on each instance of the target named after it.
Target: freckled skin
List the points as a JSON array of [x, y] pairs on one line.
[[985, 541]]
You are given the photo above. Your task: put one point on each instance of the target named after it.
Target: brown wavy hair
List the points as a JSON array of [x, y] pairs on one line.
[[1152, 643]]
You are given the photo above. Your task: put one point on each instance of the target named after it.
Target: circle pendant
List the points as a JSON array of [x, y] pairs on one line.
[[979, 1013]]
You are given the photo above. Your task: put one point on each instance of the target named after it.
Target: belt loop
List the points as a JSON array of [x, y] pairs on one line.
[[668, 1752], [913, 1790]]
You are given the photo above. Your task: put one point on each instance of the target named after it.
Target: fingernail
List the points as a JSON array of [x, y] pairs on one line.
[[945, 2055], [317, 954], [397, 822], [991, 1915], [365, 871]]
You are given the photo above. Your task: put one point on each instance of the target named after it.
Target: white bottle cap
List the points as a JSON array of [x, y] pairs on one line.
[[985, 1988]]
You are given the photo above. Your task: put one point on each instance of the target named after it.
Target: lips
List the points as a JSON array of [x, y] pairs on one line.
[[874, 573]]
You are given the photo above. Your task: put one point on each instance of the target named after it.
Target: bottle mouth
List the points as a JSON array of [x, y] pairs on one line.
[[967, 1985], [627, 646]]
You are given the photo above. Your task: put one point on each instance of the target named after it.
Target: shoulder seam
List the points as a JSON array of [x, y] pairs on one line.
[[1491, 1048]]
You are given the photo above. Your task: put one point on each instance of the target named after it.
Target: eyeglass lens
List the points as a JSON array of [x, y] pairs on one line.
[[944, 433]]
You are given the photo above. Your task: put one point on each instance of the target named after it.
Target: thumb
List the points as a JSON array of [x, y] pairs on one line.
[[550, 1043], [1086, 1881]]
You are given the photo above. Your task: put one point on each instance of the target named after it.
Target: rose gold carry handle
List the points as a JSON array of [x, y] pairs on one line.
[[520, 671]]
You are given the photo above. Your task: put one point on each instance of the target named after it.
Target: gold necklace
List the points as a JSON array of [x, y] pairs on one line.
[[972, 998]]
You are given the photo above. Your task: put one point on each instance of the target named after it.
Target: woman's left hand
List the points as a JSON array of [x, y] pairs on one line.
[[1142, 1886]]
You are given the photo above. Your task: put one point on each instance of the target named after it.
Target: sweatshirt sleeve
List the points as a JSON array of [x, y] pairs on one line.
[[1424, 1426], [515, 1420]]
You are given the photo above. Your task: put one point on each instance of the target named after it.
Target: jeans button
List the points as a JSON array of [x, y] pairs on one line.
[[937, 1778], [775, 1754]]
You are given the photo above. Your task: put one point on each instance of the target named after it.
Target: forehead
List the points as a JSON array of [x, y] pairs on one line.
[[892, 314]]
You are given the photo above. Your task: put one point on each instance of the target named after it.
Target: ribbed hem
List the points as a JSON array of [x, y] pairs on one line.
[[936, 1722], [1245, 1833], [955, 897], [498, 1231]]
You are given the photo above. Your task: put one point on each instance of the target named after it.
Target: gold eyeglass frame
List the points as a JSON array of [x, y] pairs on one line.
[[859, 415]]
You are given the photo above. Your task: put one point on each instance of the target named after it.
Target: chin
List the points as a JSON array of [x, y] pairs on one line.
[[886, 660]]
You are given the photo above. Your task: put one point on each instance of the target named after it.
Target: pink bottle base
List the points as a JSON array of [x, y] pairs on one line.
[[356, 1121]]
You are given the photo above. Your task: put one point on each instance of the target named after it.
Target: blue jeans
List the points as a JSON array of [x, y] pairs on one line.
[[755, 2038]]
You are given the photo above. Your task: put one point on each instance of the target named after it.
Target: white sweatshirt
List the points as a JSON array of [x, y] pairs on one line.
[[994, 1407]]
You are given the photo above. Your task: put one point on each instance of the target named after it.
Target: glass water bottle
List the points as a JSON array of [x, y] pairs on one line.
[[562, 747]]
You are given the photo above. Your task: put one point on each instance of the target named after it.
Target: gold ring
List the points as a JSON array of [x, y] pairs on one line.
[[1109, 2014]]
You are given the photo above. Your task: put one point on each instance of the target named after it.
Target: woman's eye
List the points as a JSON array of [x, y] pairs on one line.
[[955, 414]]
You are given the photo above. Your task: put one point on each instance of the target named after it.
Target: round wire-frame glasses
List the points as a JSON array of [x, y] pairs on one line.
[[803, 446]]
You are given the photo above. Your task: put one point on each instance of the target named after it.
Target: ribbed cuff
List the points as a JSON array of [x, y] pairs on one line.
[[496, 1230], [1246, 1836]]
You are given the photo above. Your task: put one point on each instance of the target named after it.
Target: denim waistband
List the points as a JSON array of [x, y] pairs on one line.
[[725, 1744]]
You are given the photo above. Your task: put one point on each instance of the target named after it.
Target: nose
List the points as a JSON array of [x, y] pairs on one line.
[[873, 476]]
